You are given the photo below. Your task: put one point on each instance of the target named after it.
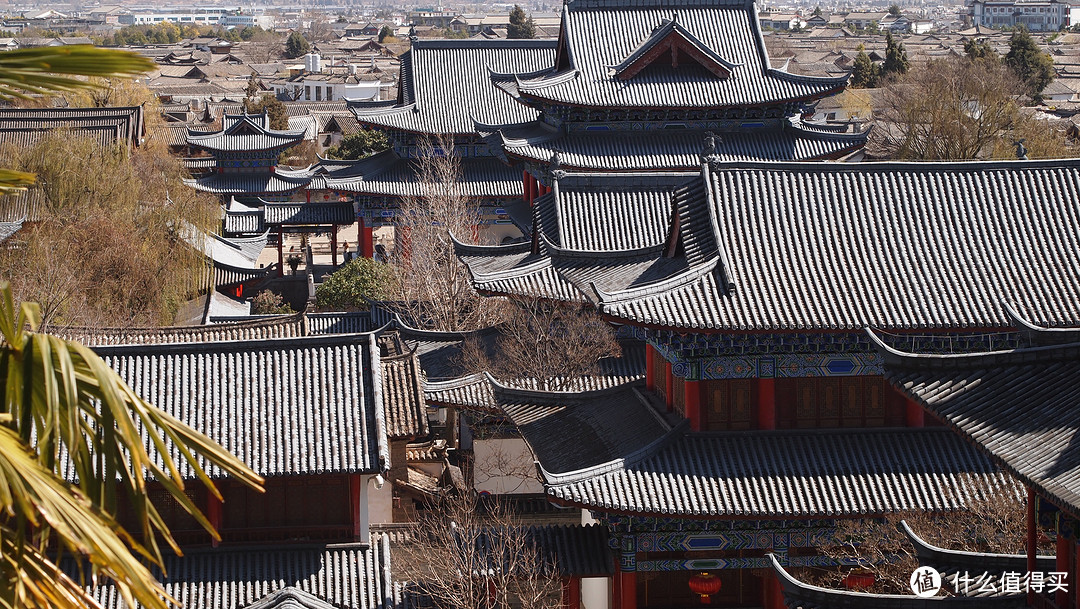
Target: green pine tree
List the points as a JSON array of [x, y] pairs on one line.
[[296, 46], [521, 26], [865, 73], [896, 60], [1030, 63]]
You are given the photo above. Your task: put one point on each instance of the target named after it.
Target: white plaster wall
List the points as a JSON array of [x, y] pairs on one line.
[[504, 467], [380, 503]]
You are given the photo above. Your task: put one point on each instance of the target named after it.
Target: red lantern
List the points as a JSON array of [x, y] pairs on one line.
[[859, 580], [704, 585]]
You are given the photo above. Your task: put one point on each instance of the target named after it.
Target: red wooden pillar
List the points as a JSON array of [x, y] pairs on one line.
[[1061, 598], [307, 196], [475, 233], [280, 252], [1031, 544], [692, 395], [214, 513], [776, 592], [628, 584], [669, 387], [616, 587], [526, 188], [366, 238], [915, 415], [333, 245], [571, 592], [766, 401], [650, 368]]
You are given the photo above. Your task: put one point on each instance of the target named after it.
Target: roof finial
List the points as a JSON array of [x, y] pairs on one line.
[[1021, 150]]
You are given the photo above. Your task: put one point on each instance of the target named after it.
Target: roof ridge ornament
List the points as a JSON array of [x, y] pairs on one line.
[[708, 152]]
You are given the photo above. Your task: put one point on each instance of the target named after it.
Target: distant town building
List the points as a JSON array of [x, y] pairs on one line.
[[1036, 15]]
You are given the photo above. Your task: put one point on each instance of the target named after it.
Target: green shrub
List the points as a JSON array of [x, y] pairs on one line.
[[357, 281]]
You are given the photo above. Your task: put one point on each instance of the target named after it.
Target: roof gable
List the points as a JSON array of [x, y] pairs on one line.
[[671, 40]]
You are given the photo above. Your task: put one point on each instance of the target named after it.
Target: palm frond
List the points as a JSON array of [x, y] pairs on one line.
[[44, 70]]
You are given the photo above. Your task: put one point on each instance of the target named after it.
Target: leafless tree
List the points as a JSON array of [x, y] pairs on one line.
[[264, 51], [956, 109], [544, 346], [464, 557], [434, 287]]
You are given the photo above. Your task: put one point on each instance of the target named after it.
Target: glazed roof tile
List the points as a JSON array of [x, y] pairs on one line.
[[434, 71], [286, 406], [771, 246], [1022, 407], [601, 36], [343, 577]]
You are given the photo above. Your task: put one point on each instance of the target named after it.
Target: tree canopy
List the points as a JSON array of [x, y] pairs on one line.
[[521, 26], [896, 60], [359, 145], [865, 74], [1031, 63], [272, 106], [296, 45], [980, 48], [351, 286], [384, 33]]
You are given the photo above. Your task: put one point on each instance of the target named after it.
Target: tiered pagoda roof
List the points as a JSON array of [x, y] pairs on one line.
[[806, 246], [444, 86], [611, 450], [244, 133], [619, 54]]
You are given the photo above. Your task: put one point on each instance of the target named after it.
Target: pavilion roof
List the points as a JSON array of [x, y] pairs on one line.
[[307, 405], [111, 125], [435, 71], [343, 576], [678, 150], [601, 38], [1022, 407], [811, 246], [250, 184], [7, 229], [389, 175], [244, 133]]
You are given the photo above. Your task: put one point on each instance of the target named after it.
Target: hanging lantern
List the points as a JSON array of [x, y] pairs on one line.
[[704, 585], [860, 579]]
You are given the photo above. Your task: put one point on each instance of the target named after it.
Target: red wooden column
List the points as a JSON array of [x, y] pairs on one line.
[[1031, 544], [365, 238], [571, 592], [915, 415], [766, 402], [669, 387], [628, 584], [616, 587], [776, 592], [214, 513], [526, 187], [692, 395], [650, 368], [1064, 546], [280, 252]]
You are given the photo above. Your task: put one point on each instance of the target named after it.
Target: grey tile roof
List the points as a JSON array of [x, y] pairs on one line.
[[472, 391], [677, 150], [572, 550], [256, 328], [7, 229], [790, 474], [347, 322], [309, 213], [834, 246], [600, 36], [243, 133], [341, 576], [387, 174], [572, 431], [435, 71], [403, 397], [24, 206], [287, 406], [113, 124], [946, 561], [1022, 407], [249, 184]]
